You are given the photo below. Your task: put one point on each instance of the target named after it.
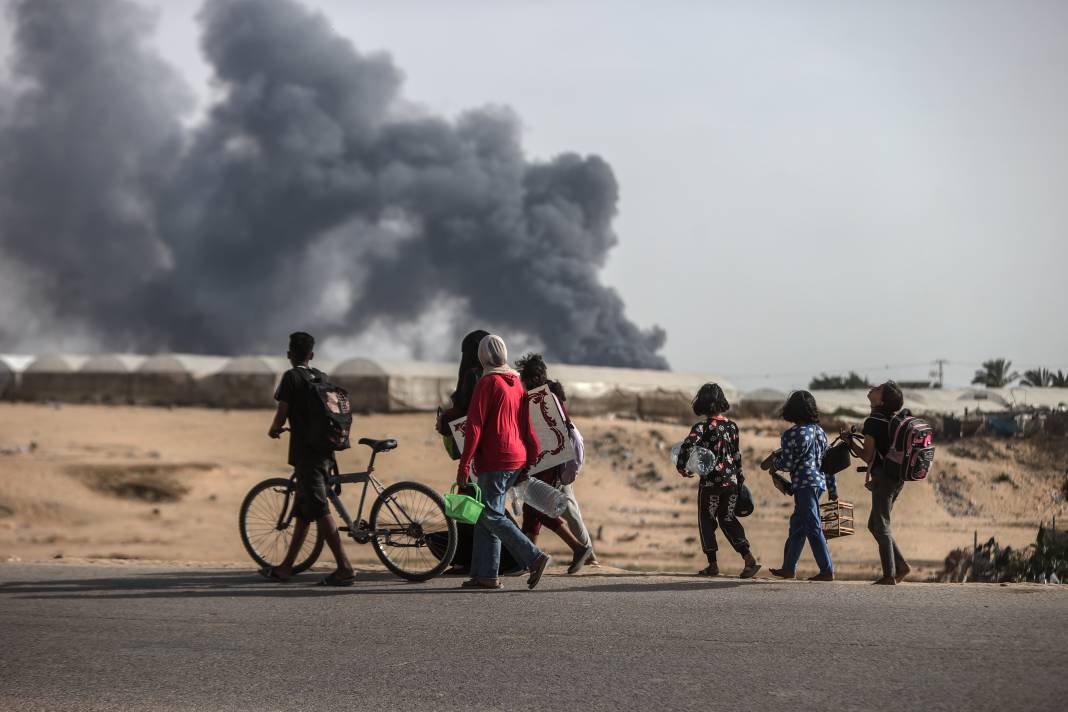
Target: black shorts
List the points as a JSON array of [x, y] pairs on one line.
[[311, 502]]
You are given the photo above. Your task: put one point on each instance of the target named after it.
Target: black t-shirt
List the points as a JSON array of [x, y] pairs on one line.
[[294, 390], [877, 426]]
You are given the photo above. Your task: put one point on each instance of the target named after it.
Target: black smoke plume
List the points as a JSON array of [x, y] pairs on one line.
[[310, 195]]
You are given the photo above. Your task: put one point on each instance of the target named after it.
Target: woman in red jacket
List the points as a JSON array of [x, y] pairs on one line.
[[500, 441]]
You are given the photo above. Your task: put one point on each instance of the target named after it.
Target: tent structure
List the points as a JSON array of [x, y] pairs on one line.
[[597, 390], [395, 386], [243, 382], [171, 379], [761, 403], [7, 378], [105, 378], [50, 377], [948, 401]]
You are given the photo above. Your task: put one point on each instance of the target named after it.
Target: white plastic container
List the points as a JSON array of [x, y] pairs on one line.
[[542, 497]]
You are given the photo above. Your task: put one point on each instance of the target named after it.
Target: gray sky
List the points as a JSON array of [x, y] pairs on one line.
[[805, 186]]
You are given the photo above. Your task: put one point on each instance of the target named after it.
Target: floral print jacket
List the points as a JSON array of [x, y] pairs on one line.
[[720, 435]]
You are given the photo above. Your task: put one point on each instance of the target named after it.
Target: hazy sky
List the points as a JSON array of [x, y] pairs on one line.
[[805, 186]]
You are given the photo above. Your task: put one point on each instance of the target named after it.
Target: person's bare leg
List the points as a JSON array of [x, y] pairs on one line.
[[570, 539], [333, 540], [300, 530]]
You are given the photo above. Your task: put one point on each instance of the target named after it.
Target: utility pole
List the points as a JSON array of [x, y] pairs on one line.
[[941, 362]]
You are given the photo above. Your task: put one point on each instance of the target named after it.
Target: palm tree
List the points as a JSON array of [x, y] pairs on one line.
[[1037, 378], [1059, 379], [995, 373]]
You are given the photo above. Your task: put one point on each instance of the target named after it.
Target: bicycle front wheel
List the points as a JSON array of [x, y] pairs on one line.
[[411, 534], [265, 541]]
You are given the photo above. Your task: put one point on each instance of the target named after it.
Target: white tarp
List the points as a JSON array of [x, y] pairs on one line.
[[951, 401]]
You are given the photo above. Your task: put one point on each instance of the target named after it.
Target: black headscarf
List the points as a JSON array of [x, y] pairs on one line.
[[468, 361]]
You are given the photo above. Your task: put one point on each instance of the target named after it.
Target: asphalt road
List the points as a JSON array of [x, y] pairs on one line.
[[139, 638]]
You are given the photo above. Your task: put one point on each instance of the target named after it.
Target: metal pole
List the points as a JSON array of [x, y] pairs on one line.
[[941, 375]]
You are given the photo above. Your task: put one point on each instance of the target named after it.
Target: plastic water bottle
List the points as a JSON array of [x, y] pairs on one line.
[[541, 496], [700, 462]]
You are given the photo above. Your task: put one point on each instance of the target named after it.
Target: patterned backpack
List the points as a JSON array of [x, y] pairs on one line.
[[912, 450]]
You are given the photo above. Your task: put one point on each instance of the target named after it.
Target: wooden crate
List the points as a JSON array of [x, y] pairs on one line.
[[836, 518]]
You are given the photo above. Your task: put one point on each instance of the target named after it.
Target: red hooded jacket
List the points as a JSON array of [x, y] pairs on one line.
[[499, 435]]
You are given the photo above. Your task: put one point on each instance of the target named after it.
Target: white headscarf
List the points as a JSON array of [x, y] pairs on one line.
[[493, 355]]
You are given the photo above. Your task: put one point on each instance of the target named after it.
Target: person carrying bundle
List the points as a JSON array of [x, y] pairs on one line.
[[719, 490], [801, 454], [569, 526]]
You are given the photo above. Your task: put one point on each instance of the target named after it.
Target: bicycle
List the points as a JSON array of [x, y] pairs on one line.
[[406, 527]]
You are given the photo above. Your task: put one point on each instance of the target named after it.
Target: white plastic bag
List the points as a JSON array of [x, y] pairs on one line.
[[701, 461]]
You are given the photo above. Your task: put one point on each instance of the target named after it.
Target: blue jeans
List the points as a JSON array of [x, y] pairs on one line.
[[805, 524], [494, 527]]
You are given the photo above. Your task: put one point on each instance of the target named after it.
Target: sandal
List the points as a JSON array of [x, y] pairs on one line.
[[537, 570], [749, 571], [580, 560], [271, 574], [333, 580], [482, 583]]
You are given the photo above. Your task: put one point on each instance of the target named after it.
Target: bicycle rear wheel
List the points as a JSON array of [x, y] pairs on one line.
[[411, 534], [264, 541]]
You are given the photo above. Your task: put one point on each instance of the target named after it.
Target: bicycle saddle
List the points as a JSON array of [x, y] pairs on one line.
[[379, 445]]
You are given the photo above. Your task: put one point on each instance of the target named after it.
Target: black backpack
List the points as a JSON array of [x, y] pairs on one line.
[[329, 412]]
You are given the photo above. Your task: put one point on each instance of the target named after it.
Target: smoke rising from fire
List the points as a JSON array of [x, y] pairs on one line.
[[311, 195]]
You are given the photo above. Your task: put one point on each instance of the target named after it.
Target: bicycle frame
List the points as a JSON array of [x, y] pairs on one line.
[[358, 530]]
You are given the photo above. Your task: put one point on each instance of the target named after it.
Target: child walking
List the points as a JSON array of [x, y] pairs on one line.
[[718, 491], [886, 400], [801, 455]]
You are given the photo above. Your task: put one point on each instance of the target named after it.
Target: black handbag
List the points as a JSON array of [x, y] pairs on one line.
[[744, 506], [837, 458]]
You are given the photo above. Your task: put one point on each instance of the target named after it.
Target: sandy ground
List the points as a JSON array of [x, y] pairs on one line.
[[165, 484]]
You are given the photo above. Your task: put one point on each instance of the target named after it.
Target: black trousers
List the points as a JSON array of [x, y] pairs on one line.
[[883, 495], [715, 509]]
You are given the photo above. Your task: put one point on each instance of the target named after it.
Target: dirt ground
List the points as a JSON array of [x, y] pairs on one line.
[[89, 482]]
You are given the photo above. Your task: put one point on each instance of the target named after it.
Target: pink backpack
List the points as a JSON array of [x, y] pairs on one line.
[[912, 450]]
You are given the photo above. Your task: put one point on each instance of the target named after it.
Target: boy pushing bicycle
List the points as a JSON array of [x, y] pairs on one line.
[[312, 464]]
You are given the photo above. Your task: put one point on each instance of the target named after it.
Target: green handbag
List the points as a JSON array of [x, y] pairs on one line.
[[450, 446], [464, 508]]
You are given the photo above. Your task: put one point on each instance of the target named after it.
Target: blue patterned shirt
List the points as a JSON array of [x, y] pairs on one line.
[[802, 452]]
